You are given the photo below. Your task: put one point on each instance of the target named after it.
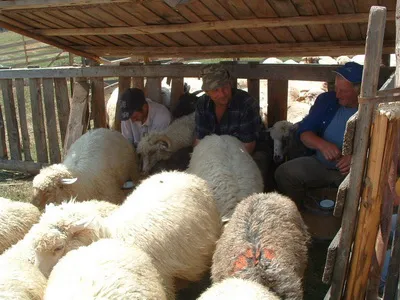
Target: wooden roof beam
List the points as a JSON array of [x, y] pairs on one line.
[[215, 25], [253, 50], [32, 4]]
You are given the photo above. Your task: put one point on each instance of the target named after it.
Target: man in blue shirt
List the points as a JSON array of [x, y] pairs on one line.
[[224, 109], [322, 130]]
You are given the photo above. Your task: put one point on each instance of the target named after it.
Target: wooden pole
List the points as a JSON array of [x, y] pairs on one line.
[[373, 51]]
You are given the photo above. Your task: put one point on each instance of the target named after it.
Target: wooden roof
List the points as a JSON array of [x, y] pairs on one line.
[[198, 28]]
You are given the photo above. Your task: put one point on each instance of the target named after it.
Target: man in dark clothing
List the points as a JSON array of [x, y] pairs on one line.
[[224, 109]]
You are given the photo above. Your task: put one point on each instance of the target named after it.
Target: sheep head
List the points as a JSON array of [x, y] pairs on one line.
[[280, 132], [153, 148], [61, 229], [52, 185]]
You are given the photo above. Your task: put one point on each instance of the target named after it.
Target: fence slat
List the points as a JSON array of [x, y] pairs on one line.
[[3, 146], [176, 91], [98, 103], [51, 120], [253, 87], [63, 107], [26, 145], [38, 120], [138, 82], [123, 84], [77, 119], [11, 119], [277, 101], [153, 89]]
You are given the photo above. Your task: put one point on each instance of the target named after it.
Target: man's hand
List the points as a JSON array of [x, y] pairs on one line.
[[329, 150], [343, 164]]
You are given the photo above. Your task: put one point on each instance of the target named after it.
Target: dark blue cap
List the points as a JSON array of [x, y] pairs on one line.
[[351, 71], [130, 101]]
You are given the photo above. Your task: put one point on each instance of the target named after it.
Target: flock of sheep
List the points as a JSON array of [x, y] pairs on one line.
[[85, 236], [174, 227]]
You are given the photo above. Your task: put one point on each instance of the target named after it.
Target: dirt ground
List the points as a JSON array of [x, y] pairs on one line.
[[17, 186]]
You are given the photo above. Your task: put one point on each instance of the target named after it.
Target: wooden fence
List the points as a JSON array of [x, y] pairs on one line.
[[55, 127]]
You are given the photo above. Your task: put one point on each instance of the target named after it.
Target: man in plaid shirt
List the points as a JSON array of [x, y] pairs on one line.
[[226, 110]]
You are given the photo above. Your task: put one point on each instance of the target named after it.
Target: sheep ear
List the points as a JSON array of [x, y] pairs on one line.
[[86, 223], [68, 180]]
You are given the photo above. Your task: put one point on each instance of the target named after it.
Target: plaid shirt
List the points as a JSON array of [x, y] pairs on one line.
[[241, 120]]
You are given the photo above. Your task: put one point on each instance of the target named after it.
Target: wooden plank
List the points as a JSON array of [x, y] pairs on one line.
[[63, 107], [22, 166], [373, 52], [11, 119], [138, 82], [253, 87], [277, 101], [330, 258], [98, 103], [352, 30], [176, 91], [30, 4], [3, 145], [77, 122], [290, 21], [51, 120], [256, 50], [123, 84], [381, 151], [153, 88], [251, 71], [20, 91], [38, 120]]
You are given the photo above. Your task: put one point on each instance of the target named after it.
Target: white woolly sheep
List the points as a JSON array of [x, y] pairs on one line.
[[343, 59], [20, 280], [238, 289], [272, 60], [16, 218], [161, 145], [111, 109], [286, 144], [108, 269], [265, 241], [228, 169], [172, 216], [61, 228], [95, 167]]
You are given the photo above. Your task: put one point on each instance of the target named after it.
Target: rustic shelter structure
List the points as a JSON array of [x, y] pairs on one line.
[[197, 28]]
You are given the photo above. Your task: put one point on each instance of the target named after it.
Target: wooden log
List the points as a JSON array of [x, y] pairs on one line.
[[77, 123], [63, 105], [138, 82], [98, 103], [277, 101], [176, 91], [373, 51], [124, 83], [51, 120], [22, 166], [3, 145], [11, 119], [253, 87], [383, 142], [330, 258], [38, 120], [26, 145]]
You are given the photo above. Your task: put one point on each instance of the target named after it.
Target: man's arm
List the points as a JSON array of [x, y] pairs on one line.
[[313, 141], [126, 131]]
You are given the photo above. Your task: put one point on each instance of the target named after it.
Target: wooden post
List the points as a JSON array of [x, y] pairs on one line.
[[277, 101], [253, 87], [176, 91], [51, 120], [98, 103], [3, 146], [76, 123], [373, 51], [383, 142], [153, 87], [11, 119], [20, 90], [63, 105], [71, 79], [124, 83]]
